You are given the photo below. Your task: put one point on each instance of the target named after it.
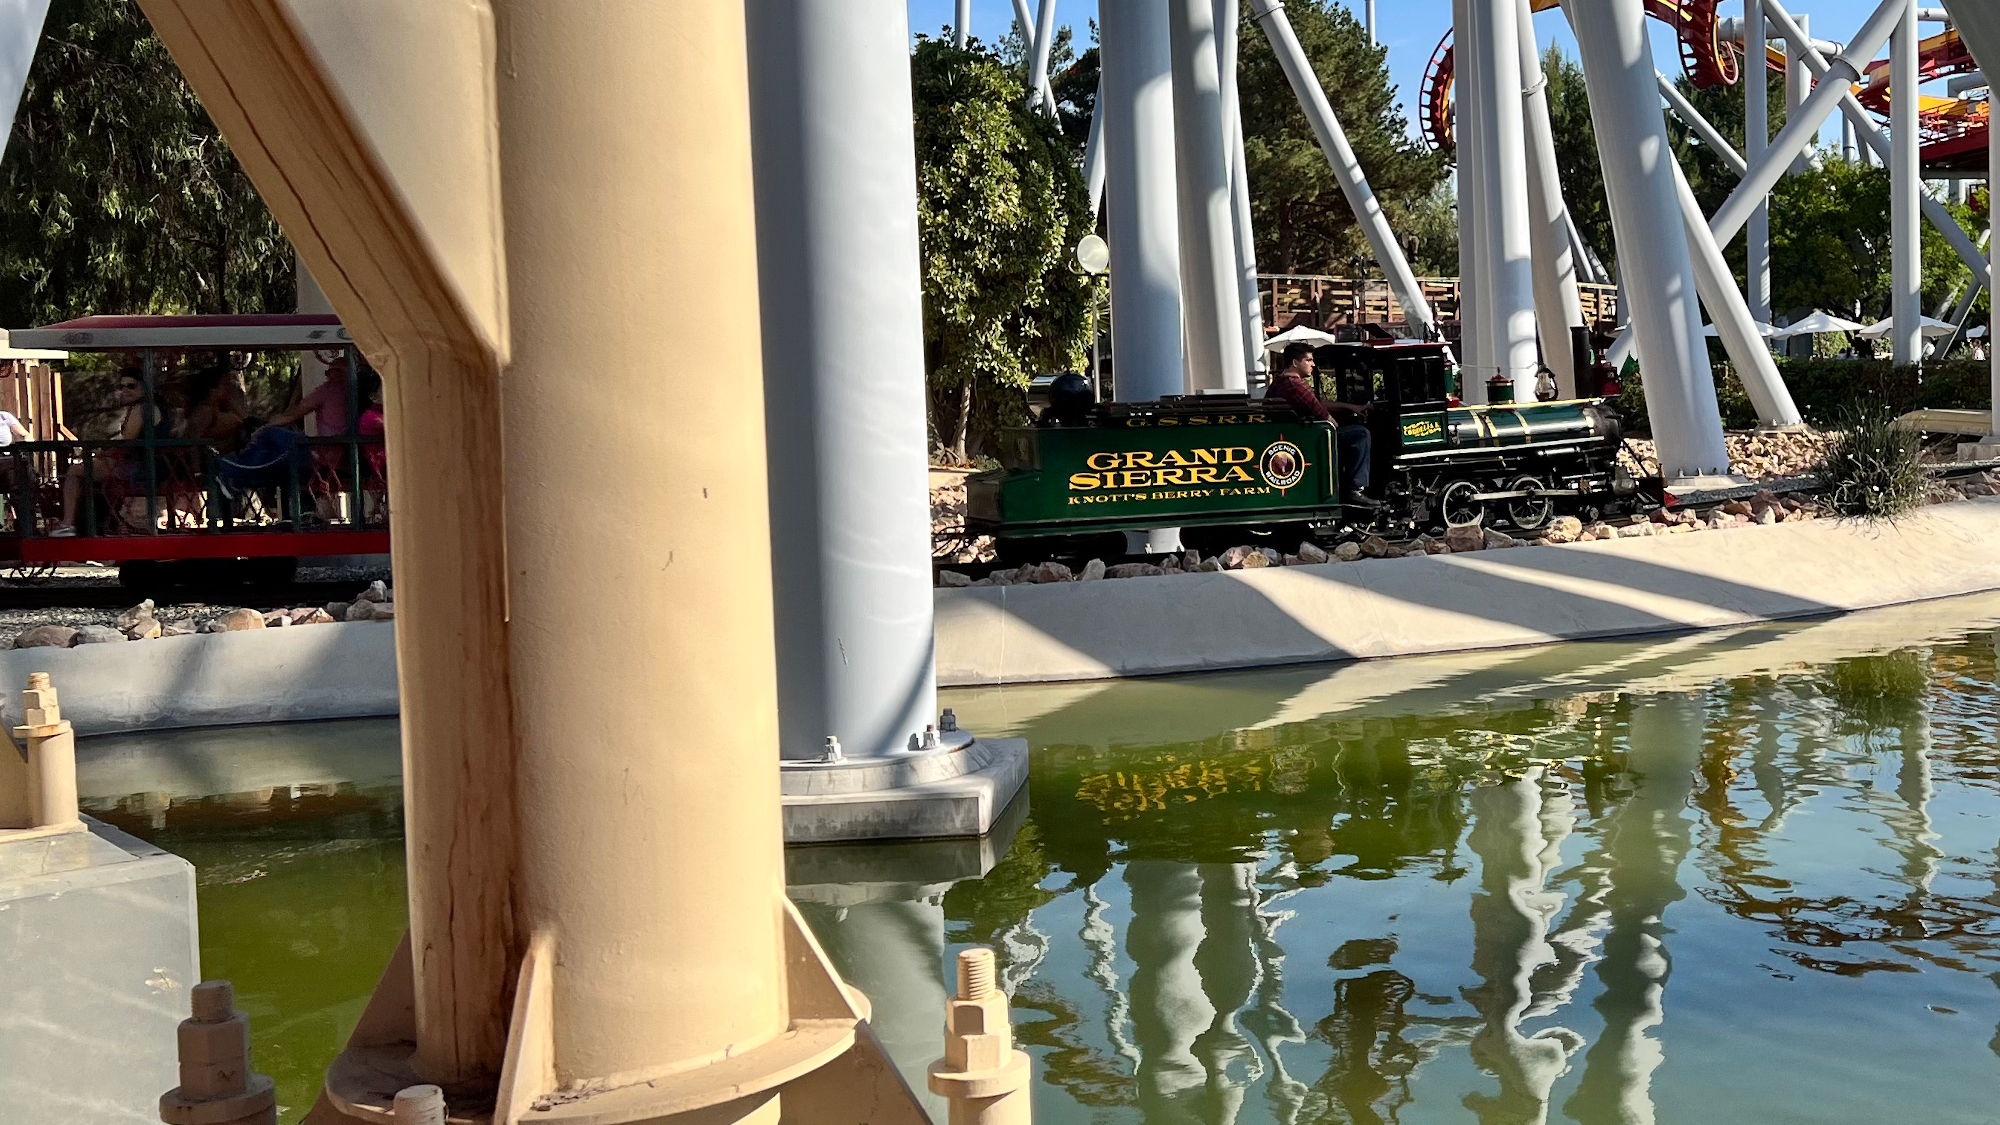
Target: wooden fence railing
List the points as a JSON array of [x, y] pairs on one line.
[[1326, 302]]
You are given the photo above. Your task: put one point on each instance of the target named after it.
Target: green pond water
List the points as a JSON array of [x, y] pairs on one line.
[[1741, 877]]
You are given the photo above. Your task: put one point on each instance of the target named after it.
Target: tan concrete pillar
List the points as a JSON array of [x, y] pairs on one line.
[[636, 479]]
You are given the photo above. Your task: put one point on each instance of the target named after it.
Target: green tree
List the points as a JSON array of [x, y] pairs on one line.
[[1304, 224], [118, 194], [1830, 243], [1001, 206]]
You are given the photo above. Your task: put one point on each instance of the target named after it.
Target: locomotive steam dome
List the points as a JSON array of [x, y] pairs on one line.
[[1071, 399]]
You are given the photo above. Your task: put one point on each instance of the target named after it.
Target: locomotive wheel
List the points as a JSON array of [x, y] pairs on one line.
[[1456, 504], [1530, 513]]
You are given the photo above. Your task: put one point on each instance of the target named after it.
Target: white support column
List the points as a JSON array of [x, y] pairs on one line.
[[1558, 307], [1270, 15], [1093, 152], [1138, 145], [1653, 258], [1368, 20], [1979, 24], [839, 272], [1475, 286], [1228, 24], [961, 24], [1504, 159], [1037, 91], [1850, 150], [1038, 69], [1906, 269], [1798, 80], [1731, 315], [1756, 138], [1210, 313]]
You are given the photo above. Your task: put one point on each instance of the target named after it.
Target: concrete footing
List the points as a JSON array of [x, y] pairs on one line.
[[1985, 449], [98, 944], [960, 790]]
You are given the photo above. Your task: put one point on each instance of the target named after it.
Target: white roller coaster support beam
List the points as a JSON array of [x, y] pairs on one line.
[[1504, 156], [1803, 127], [837, 205], [1210, 313], [1475, 341], [1756, 138], [1270, 15], [1228, 23], [1734, 325], [1558, 307], [1906, 184], [1979, 25], [1037, 91], [1871, 137], [1703, 128], [1093, 151], [1138, 143], [961, 24], [1038, 70], [1586, 259], [20, 32], [1798, 79], [1654, 262]]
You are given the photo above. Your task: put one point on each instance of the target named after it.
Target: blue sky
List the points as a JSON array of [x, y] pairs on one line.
[[1410, 28]]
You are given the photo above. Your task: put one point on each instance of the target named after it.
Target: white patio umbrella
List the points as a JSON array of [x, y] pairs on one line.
[[1933, 328], [1296, 334], [1763, 329], [1975, 333], [1818, 324]]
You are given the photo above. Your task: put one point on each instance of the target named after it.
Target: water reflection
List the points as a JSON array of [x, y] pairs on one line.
[[1749, 877]]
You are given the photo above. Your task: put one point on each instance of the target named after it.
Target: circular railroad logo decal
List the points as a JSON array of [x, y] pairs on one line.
[[1283, 465]]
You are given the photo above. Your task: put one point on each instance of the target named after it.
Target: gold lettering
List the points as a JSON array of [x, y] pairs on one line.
[[1236, 472], [1084, 481], [1102, 460], [1205, 456], [1174, 457], [1237, 455], [1202, 475], [1139, 459]]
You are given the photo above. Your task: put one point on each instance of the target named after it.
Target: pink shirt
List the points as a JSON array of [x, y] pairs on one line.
[[328, 403]]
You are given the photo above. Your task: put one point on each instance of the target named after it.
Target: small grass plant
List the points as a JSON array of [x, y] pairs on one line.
[[1874, 470]]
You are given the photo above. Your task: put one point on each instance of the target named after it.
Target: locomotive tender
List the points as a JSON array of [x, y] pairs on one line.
[[1221, 466]]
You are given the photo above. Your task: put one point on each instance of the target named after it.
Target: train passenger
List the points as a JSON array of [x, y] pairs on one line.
[[327, 404], [215, 408], [1292, 385], [137, 410]]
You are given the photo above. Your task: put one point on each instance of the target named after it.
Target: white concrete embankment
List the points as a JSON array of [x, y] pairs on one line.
[[1148, 626], [1443, 603], [211, 679]]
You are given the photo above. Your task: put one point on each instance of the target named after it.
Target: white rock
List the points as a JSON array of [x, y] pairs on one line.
[[1347, 552], [98, 635], [1470, 538], [1255, 560], [1311, 552], [1563, 529], [361, 611], [137, 613], [1092, 571], [45, 636], [1052, 572], [376, 592], [237, 620], [953, 580]]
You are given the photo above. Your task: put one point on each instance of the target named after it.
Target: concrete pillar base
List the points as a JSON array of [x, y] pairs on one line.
[[1705, 482], [960, 790], [1985, 449], [100, 948]]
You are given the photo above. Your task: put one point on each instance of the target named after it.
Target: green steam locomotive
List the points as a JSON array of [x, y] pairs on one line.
[[1221, 467]]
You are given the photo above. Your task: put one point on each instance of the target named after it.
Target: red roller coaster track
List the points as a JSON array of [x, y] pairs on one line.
[[1707, 59]]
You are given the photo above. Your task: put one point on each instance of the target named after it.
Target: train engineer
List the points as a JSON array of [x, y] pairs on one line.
[[1292, 385]]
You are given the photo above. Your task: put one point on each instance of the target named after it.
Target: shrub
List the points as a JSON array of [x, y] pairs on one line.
[[1826, 390], [1873, 468]]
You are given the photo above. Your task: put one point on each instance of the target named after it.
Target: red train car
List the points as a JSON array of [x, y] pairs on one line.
[[250, 502]]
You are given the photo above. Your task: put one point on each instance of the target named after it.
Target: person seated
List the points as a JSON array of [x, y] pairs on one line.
[[327, 404], [136, 411], [1292, 385], [215, 409]]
